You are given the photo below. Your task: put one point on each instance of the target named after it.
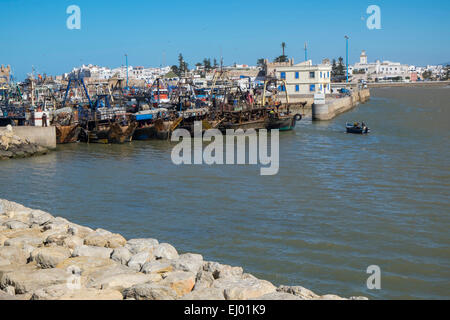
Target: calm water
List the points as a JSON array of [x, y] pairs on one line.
[[339, 203]]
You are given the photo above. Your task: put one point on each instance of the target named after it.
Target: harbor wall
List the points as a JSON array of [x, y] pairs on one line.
[[334, 107], [43, 257], [43, 136]]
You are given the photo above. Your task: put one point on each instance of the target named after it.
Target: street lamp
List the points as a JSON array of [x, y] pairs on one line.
[[126, 61], [346, 53]]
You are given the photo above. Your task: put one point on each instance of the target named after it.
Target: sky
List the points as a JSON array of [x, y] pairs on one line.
[[153, 33]]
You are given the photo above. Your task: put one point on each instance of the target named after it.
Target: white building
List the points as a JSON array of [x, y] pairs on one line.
[[378, 69], [302, 78]]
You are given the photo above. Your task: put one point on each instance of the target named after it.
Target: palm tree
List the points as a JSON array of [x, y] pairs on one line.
[[283, 46]]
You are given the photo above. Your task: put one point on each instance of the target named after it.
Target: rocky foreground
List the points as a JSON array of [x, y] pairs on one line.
[[12, 146], [49, 258]]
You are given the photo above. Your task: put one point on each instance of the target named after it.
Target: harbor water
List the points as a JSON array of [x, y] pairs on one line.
[[339, 204]]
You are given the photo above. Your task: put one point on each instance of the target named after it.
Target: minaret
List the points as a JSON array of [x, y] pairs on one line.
[[363, 57]]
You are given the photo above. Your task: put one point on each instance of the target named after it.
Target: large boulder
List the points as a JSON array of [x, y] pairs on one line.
[[244, 288], [150, 291], [50, 257], [95, 277], [92, 294], [222, 271], [13, 255], [57, 224], [204, 294], [6, 296], [157, 267], [2, 239], [165, 251], [139, 245], [277, 296], [188, 262], [87, 266], [21, 241], [138, 260], [39, 217], [121, 255], [298, 291], [64, 240], [27, 281], [62, 292], [124, 281], [100, 238], [4, 262], [79, 231], [52, 292], [15, 224], [181, 282], [91, 251], [204, 280]]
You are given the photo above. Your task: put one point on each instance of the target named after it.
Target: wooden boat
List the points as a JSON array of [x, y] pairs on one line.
[[245, 125], [248, 119], [67, 134], [145, 131], [109, 132], [282, 122], [119, 133], [163, 129]]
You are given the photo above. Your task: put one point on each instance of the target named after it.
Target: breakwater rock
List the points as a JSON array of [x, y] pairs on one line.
[[43, 257], [13, 146]]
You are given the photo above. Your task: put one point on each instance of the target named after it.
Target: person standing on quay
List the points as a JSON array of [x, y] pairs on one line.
[[44, 120]]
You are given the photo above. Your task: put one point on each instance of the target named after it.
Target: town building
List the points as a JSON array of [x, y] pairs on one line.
[[378, 70], [98, 73], [303, 78], [5, 73]]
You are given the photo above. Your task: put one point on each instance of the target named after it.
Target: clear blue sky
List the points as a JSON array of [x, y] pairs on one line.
[[33, 32]]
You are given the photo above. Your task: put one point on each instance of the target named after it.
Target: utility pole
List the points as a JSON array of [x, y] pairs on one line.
[[306, 52], [346, 54], [32, 86]]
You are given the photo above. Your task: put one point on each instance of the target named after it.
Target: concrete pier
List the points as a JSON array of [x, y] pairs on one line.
[[43, 136], [334, 107]]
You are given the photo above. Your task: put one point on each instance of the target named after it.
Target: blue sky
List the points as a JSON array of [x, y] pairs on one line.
[[33, 32]]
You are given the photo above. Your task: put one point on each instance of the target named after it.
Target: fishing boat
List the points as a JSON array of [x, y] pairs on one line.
[[108, 132], [356, 128], [163, 129], [66, 125], [282, 122], [145, 129], [67, 134], [107, 124], [279, 117], [249, 119]]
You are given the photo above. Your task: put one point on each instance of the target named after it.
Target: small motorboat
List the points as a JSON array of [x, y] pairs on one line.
[[357, 128]]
